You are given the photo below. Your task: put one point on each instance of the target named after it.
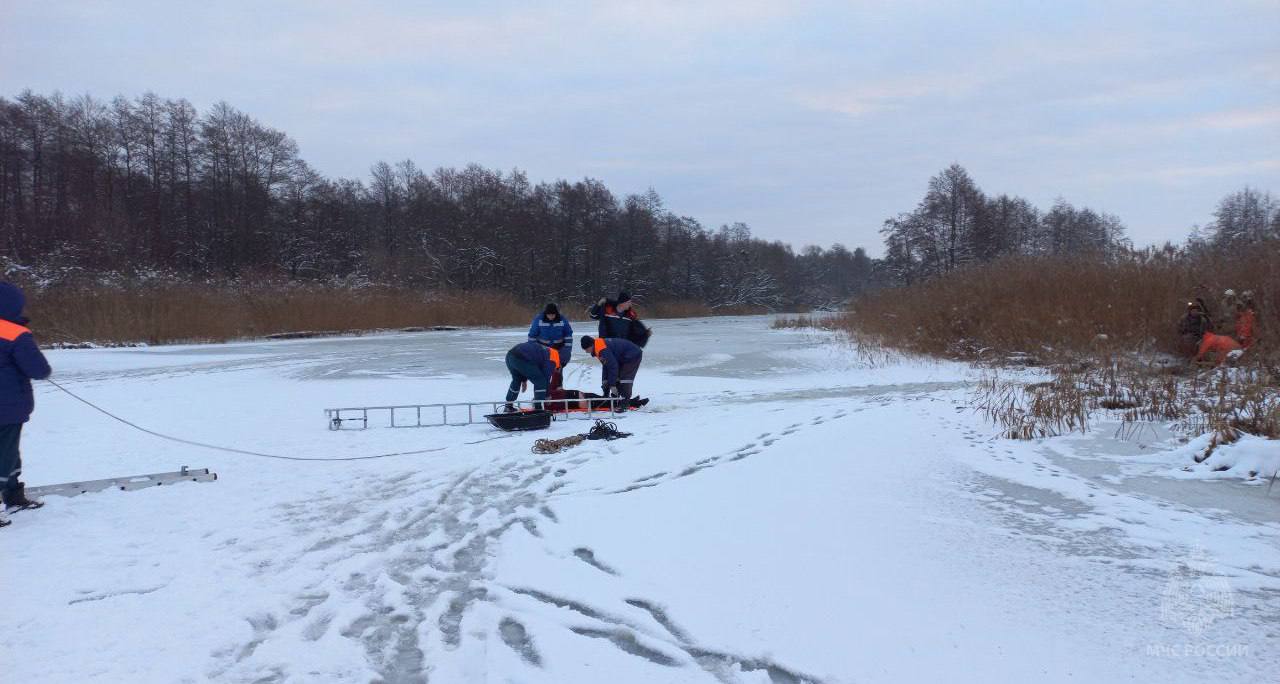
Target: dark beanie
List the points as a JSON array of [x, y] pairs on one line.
[[586, 341], [551, 309], [624, 296]]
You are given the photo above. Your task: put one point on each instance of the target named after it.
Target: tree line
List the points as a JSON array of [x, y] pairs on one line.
[[1241, 221], [956, 224], [151, 184]]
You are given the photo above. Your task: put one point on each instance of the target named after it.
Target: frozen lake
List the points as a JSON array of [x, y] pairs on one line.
[[782, 513]]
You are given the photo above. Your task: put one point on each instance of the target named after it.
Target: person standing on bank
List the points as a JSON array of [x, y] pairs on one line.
[[20, 362], [621, 360]]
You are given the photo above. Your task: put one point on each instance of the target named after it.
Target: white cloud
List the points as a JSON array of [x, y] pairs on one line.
[[1162, 130], [1236, 119], [842, 108], [861, 99], [1190, 173]]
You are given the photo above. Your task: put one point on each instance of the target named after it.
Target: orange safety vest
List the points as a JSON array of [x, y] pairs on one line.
[[599, 347], [555, 356], [10, 332]]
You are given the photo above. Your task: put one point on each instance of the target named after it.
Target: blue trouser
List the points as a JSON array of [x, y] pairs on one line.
[[523, 369], [626, 377], [10, 460]]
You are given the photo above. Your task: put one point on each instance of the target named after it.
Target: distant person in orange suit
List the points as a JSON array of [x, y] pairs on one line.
[[1220, 346], [1246, 321]]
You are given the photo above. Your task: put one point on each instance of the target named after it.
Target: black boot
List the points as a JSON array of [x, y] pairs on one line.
[[16, 499]]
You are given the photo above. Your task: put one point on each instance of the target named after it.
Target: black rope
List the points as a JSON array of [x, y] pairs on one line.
[[606, 430], [230, 450]]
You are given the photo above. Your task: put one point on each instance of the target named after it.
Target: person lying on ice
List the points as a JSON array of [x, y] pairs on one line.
[[530, 362], [1220, 346], [562, 399], [551, 329], [621, 361], [20, 363]]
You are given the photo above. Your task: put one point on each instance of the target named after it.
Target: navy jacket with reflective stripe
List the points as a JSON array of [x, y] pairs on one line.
[[20, 359], [616, 353]]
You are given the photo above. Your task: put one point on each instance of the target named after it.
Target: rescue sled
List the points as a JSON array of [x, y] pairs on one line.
[[518, 421]]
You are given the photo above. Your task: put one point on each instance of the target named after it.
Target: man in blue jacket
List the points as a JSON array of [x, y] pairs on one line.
[[20, 363], [551, 329], [618, 319], [530, 362], [621, 361]]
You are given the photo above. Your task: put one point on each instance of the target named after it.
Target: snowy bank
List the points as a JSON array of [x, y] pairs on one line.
[[1252, 459]]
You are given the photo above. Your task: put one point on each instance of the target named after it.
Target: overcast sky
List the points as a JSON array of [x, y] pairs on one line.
[[810, 121]]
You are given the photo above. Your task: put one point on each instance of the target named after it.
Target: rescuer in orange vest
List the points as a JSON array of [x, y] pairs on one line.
[[1246, 321], [618, 319], [621, 361], [20, 362], [530, 362]]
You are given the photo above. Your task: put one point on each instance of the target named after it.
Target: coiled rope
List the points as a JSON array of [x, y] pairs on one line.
[[601, 430], [555, 446]]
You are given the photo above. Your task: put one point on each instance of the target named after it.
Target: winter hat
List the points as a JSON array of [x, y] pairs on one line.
[[12, 302], [551, 310], [624, 297], [586, 342]]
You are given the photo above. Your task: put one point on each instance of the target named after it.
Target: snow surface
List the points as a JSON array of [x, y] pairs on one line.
[[782, 514]]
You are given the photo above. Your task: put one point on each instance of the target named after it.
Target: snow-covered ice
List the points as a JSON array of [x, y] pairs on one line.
[[781, 514]]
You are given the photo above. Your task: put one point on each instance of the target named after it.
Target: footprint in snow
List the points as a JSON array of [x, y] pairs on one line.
[[588, 556]]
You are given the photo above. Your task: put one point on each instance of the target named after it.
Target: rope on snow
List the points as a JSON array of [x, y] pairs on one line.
[[230, 450], [601, 430]]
